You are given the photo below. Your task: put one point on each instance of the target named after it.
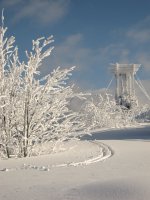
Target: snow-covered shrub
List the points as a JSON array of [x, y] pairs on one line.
[[103, 112], [33, 110], [143, 114]]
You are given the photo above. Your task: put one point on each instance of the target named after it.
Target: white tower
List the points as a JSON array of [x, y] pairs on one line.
[[124, 75]]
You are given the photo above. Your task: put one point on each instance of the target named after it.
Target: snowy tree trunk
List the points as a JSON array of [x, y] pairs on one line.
[[26, 126]]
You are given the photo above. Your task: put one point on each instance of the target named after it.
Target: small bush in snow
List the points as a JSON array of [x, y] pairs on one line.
[[103, 112]]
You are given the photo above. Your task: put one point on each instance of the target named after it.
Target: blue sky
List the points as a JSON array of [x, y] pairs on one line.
[[89, 34]]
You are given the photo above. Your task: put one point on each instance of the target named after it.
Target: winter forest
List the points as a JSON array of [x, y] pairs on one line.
[[36, 113]]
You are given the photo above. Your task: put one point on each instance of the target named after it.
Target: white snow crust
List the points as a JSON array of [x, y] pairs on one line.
[[75, 153], [77, 174]]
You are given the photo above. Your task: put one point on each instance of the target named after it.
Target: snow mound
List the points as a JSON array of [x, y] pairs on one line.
[[77, 153]]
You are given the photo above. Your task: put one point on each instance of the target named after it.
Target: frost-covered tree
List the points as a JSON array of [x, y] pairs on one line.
[[10, 82], [33, 110], [103, 112]]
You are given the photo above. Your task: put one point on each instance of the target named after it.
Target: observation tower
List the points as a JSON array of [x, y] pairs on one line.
[[124, 88]]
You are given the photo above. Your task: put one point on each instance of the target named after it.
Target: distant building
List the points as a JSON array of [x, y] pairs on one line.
[[125, 90]]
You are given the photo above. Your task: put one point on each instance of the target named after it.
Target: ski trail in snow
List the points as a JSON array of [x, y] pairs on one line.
[[104, 153]]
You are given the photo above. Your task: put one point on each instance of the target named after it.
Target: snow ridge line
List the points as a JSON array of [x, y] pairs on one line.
[[105, 153]]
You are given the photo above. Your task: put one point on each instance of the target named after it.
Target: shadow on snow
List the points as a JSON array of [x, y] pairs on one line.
[[124, 134]]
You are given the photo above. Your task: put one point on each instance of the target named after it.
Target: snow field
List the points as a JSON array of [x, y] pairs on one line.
[[75, 153], [124, 176]]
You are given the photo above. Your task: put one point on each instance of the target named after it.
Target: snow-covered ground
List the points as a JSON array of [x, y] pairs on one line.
[[109, 165]]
